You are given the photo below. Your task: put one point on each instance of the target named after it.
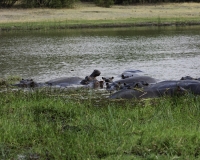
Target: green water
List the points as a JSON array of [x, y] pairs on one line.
[[161, 52]]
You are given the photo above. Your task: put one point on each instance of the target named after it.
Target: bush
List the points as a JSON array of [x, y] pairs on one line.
[[48, 3], [7, 3], [104, 3]]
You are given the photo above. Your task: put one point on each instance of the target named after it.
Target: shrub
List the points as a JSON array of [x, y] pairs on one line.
[[48, 3], [7, 3], [104, 3]]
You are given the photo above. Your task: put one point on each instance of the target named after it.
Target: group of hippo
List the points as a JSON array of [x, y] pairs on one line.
[[132, 84]]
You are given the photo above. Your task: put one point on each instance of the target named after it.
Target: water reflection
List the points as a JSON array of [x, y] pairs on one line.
[[161, 52]]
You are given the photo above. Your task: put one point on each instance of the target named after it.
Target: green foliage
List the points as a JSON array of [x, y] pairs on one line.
[[58, 124], [48, 3], [104, 3], [7, 3]]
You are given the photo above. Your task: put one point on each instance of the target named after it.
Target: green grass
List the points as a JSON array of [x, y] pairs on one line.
[[84, 124], [98, 23]]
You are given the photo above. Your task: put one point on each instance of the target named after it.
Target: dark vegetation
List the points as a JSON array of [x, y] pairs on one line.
[[70, 3]]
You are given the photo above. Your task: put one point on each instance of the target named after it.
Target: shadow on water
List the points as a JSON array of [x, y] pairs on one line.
[[161, 52]]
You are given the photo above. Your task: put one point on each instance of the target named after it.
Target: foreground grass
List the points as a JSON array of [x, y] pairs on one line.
[[83, 124]]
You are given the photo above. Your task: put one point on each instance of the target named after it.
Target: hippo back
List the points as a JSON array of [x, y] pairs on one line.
[[137, 79], [65, 80]]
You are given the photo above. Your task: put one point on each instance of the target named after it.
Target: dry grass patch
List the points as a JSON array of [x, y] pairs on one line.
[[87, 11]]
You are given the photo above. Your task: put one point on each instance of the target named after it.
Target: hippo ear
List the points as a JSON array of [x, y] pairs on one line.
[[103, 78], [112, 77]]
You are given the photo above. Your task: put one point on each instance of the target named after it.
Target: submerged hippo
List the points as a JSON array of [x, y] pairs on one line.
[[108, 79], [27, 83], [189, 78], [89, 81], [138, 78], [130, 73], [168, 88]]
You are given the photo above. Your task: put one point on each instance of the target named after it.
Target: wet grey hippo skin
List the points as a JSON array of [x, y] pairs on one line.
[[130, 73], [138, 78], [189, 78], [91, 78], [27, 83], [108, 79], [89, 82], [65, 81], [118, 86], [160, 89]]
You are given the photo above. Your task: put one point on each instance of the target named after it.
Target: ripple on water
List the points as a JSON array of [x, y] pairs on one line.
[[163, 53]]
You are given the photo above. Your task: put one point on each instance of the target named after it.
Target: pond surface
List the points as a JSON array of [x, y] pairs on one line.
[[161, 52]]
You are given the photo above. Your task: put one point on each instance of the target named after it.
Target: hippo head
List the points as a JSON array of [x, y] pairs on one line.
[[113, 86], [95, 73], [27, 83], [109, 80], [97, 84], [91, 78], [187, 78]]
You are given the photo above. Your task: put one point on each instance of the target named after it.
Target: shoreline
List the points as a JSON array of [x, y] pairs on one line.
[[93, 26], [87, 15]]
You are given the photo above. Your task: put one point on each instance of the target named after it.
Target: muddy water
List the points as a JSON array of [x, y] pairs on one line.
[[161, 52]]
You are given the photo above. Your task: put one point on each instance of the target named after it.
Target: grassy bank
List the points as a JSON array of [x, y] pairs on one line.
[[73, 24], [87, 15], [84, 124]]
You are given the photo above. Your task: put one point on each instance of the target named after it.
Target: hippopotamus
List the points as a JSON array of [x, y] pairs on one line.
[[160, 89], [89, 81], [138, 78], [189, 78], [118, 86], [27, 83], [130, 73], [108, 79], [130, 79]]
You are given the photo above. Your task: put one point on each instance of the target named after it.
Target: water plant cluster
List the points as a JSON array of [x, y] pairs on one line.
[[52, 123]]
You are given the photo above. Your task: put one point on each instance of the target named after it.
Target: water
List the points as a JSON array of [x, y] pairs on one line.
[[161, 52]]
